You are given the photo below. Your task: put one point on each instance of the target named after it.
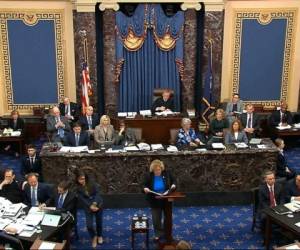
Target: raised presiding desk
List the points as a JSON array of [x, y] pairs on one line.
[[155, 129], [211, 170]]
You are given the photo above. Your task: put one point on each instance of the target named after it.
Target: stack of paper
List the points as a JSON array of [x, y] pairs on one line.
[[157, 146], [218, 145], [122, 114], [241, 145], [144, 146], [145, 112], [78, 149], [261, 146], [283, 127], [131, 148], [172, 149]]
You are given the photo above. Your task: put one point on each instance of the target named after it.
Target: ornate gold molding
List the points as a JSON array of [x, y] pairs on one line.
[[89, 5]]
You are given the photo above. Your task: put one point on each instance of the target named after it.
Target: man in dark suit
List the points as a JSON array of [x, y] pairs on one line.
[[250, 121], [90, 120], [281, 117], [125, 136], [69, 109], [270, 194], [36, 193], [10, 188], [77, 137], [57, 125], [31, 163], [16, 122], [293, 189], [163, 103]]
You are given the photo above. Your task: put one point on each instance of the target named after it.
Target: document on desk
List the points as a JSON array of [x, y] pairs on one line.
[[33, 219], [73, 149], [284, 127], [218, 145], [157, 146], [172, 148], [291, 247], [47, 245], [4, 223], [294, 207], [131, 148]]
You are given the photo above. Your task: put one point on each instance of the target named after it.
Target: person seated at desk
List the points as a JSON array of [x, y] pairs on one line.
[[293, 189], [57, 125], [89, 196], [10, 188], [163, 103], [125, 136], [69, 109], [36, 193], [236, 134], [104, 132], [90, 120], [282, 169], [77, 137], [15, 123], [158, 180], [281, 117], [186, 135], [270, 194], [234, 108], [31, 163], [250, 121], [217, 126]]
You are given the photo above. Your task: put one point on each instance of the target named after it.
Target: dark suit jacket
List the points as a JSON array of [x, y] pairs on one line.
[[274, 119], [12, 192], [149, 182], [19, 125], [75, 110], [51, 122], [280, 167], [70, 202], [84, 139], [169, 104], [84, 123], [264, 195], [127, 136], [44, 194], [86, 199], [255, 120], [291, 190], [27, 168]]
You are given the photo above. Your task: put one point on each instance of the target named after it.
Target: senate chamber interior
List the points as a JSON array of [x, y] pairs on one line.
[[161, 124]]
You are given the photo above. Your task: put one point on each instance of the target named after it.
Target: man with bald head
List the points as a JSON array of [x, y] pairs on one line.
[[69, 109], [281, 117], [89, 120], [57, 125]]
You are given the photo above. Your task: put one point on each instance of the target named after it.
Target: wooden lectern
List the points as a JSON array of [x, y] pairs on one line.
[[169, 216]]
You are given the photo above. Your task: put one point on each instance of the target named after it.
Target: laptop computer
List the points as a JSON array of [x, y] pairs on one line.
[[51, 220]]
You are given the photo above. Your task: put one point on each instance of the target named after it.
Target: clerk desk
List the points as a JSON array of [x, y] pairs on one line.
[[122, 173]]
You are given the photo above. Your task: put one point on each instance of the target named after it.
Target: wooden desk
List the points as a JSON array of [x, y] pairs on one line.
[[38, 242], [155, 129], [286, 132], [281, 220], [15, 139]]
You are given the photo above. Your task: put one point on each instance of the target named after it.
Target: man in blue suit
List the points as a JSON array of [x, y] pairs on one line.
[[31, 163], [293, 189], [90, 120], [77, 137], [36, 193]]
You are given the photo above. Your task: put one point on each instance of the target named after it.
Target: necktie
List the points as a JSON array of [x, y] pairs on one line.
[[60, 201], [90, 122], [249, 121], [272, 198], [31, 161], [33, 198], [61, 132], [67, 110], [77, 140]]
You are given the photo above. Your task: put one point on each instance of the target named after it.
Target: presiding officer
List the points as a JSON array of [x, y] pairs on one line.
[[163, 103], [158, 180]]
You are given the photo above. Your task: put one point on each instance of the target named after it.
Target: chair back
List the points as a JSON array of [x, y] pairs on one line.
[[173, 135], [138, 132]]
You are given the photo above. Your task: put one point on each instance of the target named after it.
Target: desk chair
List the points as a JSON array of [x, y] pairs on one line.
[[138, 132], [173, 135], [14, 242]]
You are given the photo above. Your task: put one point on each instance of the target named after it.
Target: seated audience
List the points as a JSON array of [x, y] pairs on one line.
[[89, 120], [89, 196], [36, 193], [234, 108], [217, 126], [31, 163], [15, 123], [236, 134], [270, 194], [186, 135], [57, 125], [158, 180], [293, 189], [125, 136], [250, 122], [10, 188], [163, 103], [282, 169], [69, 109], [281, 117], [77, 137], [104, 132]]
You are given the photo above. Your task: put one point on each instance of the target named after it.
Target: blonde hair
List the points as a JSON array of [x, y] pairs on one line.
[[156, 163], [185, 121], [104, 117], [221, 111], [183, 245]]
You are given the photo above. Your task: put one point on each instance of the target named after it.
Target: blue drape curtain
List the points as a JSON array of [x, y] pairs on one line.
[[149, 65]]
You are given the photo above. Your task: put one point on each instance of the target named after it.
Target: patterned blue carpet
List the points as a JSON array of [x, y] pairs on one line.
[[210, 227]]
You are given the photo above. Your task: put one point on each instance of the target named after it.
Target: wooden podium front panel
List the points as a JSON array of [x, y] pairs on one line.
[[155, 129]]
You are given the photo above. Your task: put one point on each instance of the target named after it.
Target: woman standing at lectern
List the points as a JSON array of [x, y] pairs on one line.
[[158, 180]]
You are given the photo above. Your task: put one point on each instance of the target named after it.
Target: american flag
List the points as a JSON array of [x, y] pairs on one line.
[[86, 88]]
